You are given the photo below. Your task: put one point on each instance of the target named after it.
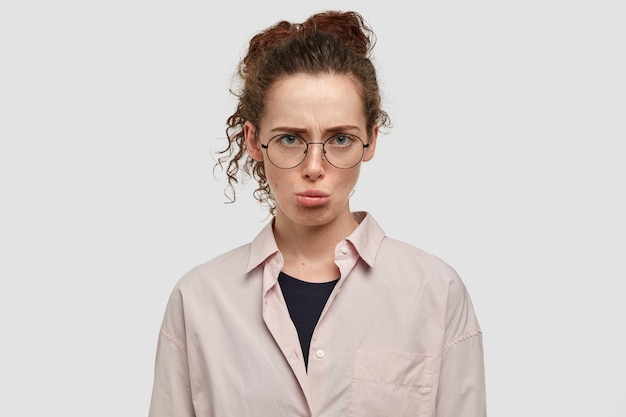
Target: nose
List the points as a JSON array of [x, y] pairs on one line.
[[313, 165]]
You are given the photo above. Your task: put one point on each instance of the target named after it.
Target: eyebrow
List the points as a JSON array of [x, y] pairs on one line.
[[296, 130]]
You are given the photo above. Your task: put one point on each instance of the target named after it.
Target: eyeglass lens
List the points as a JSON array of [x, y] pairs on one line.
[[342, 151]]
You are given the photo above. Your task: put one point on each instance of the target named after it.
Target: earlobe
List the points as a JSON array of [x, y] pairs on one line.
[[252, 144], [371, 149]]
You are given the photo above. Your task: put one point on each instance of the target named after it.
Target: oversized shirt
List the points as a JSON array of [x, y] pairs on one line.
[[398, 337]]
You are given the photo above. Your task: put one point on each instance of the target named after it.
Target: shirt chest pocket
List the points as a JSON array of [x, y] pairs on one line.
[[392, 384]]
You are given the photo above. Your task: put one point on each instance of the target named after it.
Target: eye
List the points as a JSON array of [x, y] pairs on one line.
[[342, 140], [289, 140]]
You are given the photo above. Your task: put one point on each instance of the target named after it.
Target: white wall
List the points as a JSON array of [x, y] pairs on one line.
[[504, 160]]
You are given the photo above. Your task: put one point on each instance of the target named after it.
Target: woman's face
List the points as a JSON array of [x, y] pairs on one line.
[[314, 108]]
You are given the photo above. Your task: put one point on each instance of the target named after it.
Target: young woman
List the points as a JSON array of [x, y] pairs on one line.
[[321, 314]]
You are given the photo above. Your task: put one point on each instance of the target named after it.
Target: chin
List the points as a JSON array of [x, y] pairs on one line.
[[310, 216]]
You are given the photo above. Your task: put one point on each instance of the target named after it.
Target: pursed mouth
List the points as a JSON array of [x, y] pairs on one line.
[[313, 194], [312, 198]]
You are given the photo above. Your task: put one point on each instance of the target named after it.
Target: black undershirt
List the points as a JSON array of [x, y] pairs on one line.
[[305, 302]]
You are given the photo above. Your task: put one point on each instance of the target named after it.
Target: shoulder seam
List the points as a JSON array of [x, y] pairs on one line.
[[179, 344], [464, 336]]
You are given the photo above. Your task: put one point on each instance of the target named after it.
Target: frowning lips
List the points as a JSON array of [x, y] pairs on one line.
[[312, 198]]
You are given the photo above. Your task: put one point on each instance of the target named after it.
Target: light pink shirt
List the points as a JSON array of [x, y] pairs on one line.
[[397, 337]]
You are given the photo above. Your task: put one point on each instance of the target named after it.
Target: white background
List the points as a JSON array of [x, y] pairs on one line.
[[505, 160]]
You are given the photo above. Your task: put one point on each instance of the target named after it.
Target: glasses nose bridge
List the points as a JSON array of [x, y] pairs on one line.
[[306, 152]]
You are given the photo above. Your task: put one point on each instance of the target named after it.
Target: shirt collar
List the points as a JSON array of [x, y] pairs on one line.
[[263, 246], [366, 240], [367, 237]]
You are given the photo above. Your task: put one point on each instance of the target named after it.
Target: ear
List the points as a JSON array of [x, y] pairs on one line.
[[371, 149], [252, 144]]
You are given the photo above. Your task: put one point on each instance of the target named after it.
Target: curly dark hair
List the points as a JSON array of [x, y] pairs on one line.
[[331, 42]]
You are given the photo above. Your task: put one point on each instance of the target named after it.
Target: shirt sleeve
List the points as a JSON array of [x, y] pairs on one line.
[[171, 392], [461, 391]]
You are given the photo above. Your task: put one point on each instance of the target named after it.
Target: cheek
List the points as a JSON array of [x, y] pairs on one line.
[[276, 180], [352, 179]]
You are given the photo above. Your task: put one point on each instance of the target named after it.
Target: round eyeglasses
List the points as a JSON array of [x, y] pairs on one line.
[[342, 151]]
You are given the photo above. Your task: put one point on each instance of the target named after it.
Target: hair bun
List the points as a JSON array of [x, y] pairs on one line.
[[349, 27]]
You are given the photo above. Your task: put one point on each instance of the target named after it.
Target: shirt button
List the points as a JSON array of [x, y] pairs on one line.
[[344, 250], [320, 353]]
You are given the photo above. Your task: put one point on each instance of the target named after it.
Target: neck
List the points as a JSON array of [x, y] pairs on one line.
[[309, 251]]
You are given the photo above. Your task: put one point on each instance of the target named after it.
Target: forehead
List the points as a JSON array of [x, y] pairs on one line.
[[314, 102]]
